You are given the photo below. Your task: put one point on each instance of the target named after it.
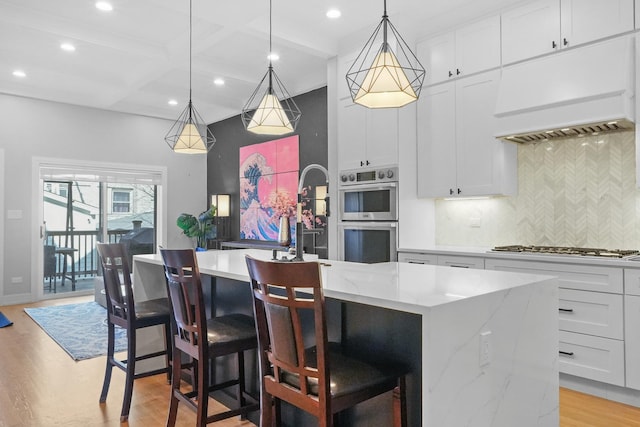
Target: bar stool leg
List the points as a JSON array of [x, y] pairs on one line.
[[109, 368], [130, 374]]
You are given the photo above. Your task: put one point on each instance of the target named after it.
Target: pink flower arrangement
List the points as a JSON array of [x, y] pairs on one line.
[[282, 204]]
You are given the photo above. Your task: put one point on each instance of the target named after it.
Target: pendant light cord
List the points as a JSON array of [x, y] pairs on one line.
[[190, 48], [385, 19], [270, 88], [270, 31]]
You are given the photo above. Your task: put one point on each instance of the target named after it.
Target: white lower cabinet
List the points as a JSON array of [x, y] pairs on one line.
[[632, 340], [417, 258], [596, 358], [592, 313], [591, 319], [461, 261], [444, 260]]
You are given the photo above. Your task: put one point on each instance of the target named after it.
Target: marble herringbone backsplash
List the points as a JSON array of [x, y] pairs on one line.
[[574, 192]]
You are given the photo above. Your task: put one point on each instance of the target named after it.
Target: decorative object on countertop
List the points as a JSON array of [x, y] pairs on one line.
[[202, 227], [276, 113], [284, 231], [190, 134], [382, 78]]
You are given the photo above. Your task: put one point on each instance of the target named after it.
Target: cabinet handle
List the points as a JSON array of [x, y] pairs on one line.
[[553, 44], [458, 266], [457, 71], [361, 163], [368, 163], [450, 73], [566, 353], [459, 191], [416, 262], [566, 310], [451, 191], [565, 41]]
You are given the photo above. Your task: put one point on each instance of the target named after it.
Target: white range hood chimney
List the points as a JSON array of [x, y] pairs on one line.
[[578, 91]]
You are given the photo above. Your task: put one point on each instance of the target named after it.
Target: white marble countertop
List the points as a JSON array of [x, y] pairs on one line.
[[400, 286], [486, 252]]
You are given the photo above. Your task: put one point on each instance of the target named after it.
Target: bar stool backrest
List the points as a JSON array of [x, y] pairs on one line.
[[185, 295], [117, 281], [282, 293]]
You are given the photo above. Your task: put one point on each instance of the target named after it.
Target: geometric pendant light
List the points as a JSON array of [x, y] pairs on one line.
[[270, 109], [388, 76], [190, 134]]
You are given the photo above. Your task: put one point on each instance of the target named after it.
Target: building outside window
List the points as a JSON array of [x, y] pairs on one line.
[[120, 201]]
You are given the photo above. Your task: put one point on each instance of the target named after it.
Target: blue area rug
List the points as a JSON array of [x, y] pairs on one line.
[[80, 329]]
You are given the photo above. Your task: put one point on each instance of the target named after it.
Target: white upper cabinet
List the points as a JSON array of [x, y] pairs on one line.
[[366, 137], [583, 21], [467, 50], [436, 162], [545, 26], [530, 30], [458, 155]]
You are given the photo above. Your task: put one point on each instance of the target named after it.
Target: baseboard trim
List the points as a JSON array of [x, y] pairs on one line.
[[616, 393]]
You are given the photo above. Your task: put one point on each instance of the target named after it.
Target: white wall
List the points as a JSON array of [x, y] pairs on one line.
[[32, 128]]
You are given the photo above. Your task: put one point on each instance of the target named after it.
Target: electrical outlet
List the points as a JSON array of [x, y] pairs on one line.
[[16, 280], [485, 348]]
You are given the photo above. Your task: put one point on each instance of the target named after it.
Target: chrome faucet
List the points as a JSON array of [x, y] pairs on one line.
[[321, 168]]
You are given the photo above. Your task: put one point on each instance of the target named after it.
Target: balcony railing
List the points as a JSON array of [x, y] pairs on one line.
[[87, 262]]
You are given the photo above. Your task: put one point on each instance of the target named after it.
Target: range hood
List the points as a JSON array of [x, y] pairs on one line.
[[582, 91]]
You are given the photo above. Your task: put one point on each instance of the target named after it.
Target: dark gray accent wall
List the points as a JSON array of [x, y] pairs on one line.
[[223, 159]]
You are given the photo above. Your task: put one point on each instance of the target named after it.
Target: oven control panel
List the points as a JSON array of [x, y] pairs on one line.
[[365, 176]]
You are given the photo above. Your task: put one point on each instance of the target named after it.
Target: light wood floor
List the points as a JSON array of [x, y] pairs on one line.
[[40, 385]]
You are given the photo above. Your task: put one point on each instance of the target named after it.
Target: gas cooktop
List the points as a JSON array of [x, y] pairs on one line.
[[564, 250]]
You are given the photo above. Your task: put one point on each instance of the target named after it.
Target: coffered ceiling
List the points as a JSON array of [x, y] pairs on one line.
[[135, 58]]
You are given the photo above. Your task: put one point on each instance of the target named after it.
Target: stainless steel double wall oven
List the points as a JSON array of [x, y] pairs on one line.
[[367, 230]]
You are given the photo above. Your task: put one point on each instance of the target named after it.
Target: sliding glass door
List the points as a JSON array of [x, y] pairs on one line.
[[78, 213]]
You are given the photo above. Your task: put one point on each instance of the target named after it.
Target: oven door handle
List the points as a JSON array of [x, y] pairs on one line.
[[379, 186], [368, 225]]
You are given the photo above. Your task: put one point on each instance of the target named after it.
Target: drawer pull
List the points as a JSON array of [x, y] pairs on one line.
[[566, 310], [416, 262], [458, 266], [566, 353]]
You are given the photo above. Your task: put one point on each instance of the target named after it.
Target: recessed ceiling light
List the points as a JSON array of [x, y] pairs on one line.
[[19, 73], [173, 102], [68, 47], [218, 82], [333, 13], [104, 6], [273, 57]]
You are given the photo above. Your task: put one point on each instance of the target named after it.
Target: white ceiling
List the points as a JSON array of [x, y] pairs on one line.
[[135, 58]]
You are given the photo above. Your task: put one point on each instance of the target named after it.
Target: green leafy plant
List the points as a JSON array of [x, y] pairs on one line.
[[200, 227]]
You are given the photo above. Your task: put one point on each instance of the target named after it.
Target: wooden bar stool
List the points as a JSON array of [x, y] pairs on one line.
[[321, 379], [226, 335], [124, 312]]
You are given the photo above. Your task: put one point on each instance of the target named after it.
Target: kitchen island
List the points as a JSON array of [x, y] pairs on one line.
[[482, 345]]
